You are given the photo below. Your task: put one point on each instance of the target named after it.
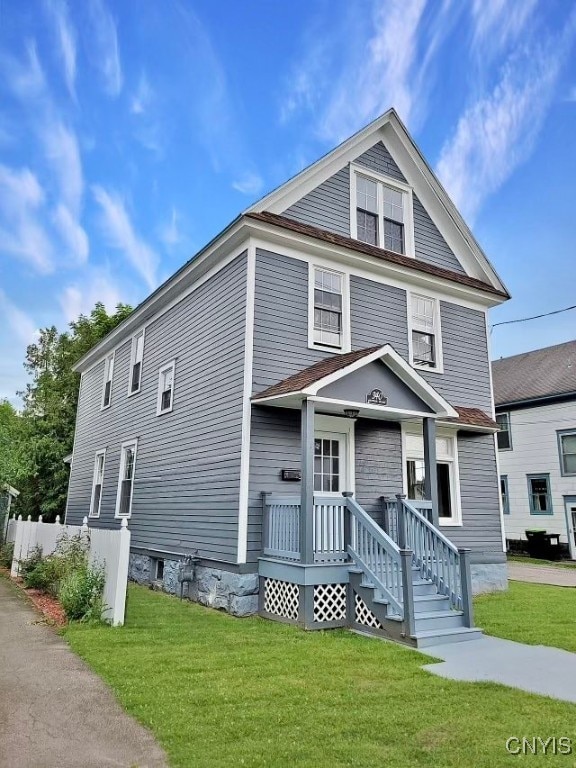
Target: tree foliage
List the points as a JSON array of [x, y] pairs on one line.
[[46, 425]]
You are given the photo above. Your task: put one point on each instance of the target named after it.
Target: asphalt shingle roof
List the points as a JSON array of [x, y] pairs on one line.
[[542, 373]]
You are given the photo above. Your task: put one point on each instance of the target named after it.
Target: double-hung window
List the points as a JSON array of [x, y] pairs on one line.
[[136, 357], [97, 483], [567, 448], [165, 399], [539, 495], [108, 374], [382, 212], [505, 434], [328, 311], [505, 496], [126, 478], [425, 336]]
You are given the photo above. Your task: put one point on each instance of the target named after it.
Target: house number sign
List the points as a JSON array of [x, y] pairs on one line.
[[376, 397]]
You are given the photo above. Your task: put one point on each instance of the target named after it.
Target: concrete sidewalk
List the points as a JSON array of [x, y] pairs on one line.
[[542, 574], [55, 712]]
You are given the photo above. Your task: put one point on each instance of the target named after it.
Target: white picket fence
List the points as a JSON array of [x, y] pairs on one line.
[[108, 548]]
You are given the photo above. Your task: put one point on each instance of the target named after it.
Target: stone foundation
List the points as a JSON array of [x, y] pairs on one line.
[[236, 593], [488, 577]]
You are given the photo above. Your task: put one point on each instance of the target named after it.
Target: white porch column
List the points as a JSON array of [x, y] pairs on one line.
[[307, 485], [431, 473]]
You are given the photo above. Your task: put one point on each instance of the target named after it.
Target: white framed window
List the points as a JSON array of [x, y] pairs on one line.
[[504, 436], [328, 309], [126, 478], [165, 400], [108, 376], [448, 476], [424, 333], [381, 211], [136, 359], [97, 484]]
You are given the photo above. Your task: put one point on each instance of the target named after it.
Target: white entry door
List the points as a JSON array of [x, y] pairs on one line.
[[333, 457], [570, 504]]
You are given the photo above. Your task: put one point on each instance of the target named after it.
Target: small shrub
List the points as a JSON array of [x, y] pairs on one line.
[[80, 593], [28, 566], [6, 555]]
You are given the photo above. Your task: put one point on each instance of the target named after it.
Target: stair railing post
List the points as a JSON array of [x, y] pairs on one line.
[[466, 584], [401, 520], [385, 514], [265, 520], [407, 591], [347, 521]]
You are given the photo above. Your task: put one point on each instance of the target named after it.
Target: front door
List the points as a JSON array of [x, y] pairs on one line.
[[332, 449], [570, 505]]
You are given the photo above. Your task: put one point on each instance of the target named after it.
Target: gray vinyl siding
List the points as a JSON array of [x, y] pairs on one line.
[[186, 487], [378, 315], [328, 207], [378, 464]]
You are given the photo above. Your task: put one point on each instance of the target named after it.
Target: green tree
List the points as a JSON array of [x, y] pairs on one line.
[[11, 429], [49, 413]]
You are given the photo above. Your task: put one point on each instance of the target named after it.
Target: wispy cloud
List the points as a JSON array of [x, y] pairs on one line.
[[25, 78], [170, 233], [80, 297], [120, 232], [496, 23], [497, 132], [63, 153], [143, 96], [20, 323], [72, 233], [21, 231], [103, 40], [249, 184], [66, 39]]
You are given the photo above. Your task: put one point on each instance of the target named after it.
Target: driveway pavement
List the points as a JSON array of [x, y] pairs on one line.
[[542, 574], [54, 712]]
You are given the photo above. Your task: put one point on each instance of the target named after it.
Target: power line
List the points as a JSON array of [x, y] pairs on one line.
[[534, 317]]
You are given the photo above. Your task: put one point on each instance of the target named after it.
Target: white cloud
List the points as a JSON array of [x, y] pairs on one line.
[[498, 131], [26, 79], [66, 38], [21, 232], [21, 324], [170, 233], [63, 153], [142, 98], [497, 23], [249, 184], [72, 233], [103, 38], [121, 235], [81, 296]]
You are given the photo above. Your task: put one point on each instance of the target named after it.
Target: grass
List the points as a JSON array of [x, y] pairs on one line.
[[536, 561], [219, 691], [537, 614]]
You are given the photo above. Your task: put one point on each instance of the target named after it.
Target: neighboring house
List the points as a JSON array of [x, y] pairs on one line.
[[535, 396], [331, 339]]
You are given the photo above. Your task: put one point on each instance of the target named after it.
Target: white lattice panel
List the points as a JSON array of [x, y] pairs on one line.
[[363, 615], [329, 602], [281, 598]]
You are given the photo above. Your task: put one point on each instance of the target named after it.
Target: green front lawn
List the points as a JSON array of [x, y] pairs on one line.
[[536, 561], [219, 691], [537, 614]]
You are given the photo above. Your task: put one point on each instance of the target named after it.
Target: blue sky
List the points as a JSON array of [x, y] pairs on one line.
[[131, 133]]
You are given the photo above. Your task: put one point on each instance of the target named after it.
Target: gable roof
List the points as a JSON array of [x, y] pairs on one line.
[[541, 374], [372, 250], [389, 129]]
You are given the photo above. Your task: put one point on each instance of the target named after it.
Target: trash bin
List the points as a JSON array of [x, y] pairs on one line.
[[543, 545]]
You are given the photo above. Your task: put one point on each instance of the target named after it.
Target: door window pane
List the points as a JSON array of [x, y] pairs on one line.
[[326, 465]]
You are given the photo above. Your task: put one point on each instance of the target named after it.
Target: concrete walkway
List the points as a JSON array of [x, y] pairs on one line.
[[54, 712], [533, 668], [542, 574]]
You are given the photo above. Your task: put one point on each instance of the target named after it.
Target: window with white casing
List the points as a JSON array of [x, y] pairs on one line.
[[449, 511], [425, 340], [97, 484], [126, 479], [381, 212], [504, 436], [166, 388], [136, 358], [108, 375], [328, 310]]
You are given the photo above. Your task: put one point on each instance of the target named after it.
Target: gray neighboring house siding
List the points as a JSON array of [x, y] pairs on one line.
[[328, 207], [186, 488]]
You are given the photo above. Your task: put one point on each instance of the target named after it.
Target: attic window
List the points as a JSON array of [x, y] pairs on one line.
[[381, 211]]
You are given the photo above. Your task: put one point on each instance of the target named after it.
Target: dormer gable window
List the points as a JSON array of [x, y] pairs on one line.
[[381, 211]]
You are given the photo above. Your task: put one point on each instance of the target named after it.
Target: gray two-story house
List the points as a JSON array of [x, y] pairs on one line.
[[306, 407]]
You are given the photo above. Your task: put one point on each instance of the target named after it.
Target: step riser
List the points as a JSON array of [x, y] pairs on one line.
[[424, 589], [432, 604], [457, 637], [442, 622]]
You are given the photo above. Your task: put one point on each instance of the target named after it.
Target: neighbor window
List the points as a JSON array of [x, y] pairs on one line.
[[136, 358], [446, 472], [504, 435], [126, 479], [504, 494], [382, 212], [108, 374], [425, 340], [165, 388], [97, 483], [567, 447], [539, 494], [327, 309]]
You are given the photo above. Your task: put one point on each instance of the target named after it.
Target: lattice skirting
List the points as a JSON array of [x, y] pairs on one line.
[[329, 602], [363, 615], [281, 598]]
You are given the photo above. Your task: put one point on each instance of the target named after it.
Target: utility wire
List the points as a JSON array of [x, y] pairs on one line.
[[534, 317]]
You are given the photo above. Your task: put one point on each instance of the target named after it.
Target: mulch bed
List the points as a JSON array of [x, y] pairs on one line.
[[47, 605]]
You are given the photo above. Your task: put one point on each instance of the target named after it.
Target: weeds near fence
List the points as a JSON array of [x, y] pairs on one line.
[[6, 555]]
